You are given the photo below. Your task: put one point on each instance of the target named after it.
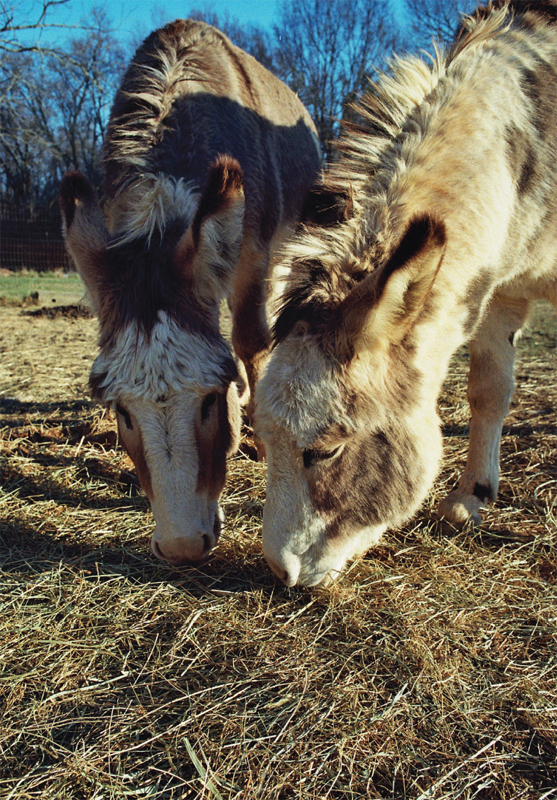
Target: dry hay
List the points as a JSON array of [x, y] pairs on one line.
[[428, 671]]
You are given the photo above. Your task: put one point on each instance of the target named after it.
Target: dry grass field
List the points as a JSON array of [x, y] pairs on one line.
[[428, 671]]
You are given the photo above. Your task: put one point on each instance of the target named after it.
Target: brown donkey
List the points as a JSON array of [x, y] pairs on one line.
[[450, 229], [208, 159]]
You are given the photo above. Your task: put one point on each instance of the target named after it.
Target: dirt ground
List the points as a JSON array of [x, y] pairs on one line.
[[428, 671]]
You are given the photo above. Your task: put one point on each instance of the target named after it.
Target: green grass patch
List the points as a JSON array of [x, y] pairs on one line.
[[52, 287]]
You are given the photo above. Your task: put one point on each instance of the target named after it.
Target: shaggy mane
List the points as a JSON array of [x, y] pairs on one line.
[[484, 21], [543, 8], [326, 262], [146, 97]]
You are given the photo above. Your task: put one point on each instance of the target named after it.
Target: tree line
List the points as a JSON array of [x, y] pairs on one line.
[[55, 100]]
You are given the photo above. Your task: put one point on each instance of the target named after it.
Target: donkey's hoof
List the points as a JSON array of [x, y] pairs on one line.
[[459, 509]]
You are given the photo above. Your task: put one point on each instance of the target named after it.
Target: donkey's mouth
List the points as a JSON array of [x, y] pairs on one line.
[[182, 561], [209, 543]]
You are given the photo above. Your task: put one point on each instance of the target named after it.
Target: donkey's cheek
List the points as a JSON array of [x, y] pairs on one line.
[[132, 443], [143, 473], [214, 439]]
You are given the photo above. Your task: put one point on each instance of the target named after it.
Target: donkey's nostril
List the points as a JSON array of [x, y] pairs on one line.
[[287, 568], [157, 551], [279, 571]]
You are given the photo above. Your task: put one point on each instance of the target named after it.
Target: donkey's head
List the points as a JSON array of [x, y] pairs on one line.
[[163, 365], [346, 411]]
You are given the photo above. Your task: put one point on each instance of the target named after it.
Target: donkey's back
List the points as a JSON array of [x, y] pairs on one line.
[[189, 95]]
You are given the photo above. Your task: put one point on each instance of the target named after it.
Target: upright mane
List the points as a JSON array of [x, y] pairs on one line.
[[155, 168], [373, 155], [144, 102]]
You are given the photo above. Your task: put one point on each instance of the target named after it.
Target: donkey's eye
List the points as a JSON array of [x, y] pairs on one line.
[[125, 416], [312, 457], [208, 401]]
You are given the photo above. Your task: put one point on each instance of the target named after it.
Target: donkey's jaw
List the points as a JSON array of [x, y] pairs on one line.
[[188, 553], [183, 552]]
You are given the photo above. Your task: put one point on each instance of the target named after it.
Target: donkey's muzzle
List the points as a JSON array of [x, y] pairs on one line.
[[193, 551]]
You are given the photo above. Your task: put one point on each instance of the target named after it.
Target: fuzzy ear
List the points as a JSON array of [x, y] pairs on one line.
[[385, 305], [209, 250], [85, 232]]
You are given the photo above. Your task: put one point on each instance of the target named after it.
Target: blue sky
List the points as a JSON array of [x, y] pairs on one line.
[[151, 14], [135, 19]]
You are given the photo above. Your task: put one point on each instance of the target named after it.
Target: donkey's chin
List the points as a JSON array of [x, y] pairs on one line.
[[192, 550], [323, 564], [322, 574]]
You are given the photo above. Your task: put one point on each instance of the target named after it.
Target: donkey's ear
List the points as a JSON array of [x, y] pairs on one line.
[[85, 232], [209, 250], [385, 305]]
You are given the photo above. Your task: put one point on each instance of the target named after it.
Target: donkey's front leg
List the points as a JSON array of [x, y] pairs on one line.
[[250, 330], [490, 388]]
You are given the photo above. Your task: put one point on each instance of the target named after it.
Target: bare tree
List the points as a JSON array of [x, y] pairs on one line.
[[326, 50], [82, 91], [53, 112], [18, 152], [15, 29], [435, 19]]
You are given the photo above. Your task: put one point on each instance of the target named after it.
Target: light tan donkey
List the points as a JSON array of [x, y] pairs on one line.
[[452, 231]]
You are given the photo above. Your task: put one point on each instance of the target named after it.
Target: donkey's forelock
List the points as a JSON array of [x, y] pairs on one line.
[[166, 360], [141, 280], [147, 206], [306, 392], [315, 286]]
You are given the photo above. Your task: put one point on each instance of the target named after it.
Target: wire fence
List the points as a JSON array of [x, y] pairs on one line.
[[31, 238]]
